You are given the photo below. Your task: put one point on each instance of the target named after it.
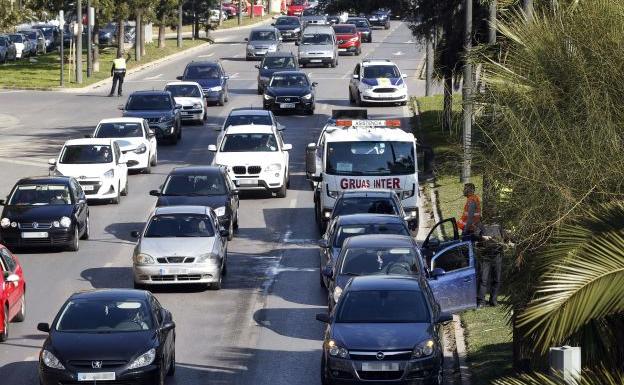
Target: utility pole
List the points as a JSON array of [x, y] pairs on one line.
[[79, 42], [428, 65], [180, 24], [61, 17], [492, 21], [90, 19], [240, 12], [137, 36], [467, 95], [220, 11]]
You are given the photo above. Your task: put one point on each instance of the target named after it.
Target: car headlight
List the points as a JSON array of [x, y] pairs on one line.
[[143, 259], [307, 96], [197, 105], [164, 119], [141, 149], [109, 174], [337, 293], [296, 30], [65, 222], [268, 97], [250, 48], [273, 167], [335, 350], [424, 349], [56, 224], [206, 257], [215, 89], [220, 211], [5, 222], [272, 48], [51, 361], [353, 39], [143, 360]]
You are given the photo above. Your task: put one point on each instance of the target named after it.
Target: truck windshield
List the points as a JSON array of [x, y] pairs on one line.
[[370, 158]]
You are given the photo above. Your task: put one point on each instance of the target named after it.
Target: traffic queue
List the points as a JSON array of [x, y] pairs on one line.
[[380, 282]]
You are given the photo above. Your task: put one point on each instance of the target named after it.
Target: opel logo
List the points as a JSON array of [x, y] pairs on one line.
[[380, 356], [82, 177], [35, 225], [96, 364]]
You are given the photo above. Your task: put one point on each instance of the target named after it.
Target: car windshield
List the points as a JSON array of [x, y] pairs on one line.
[[379, 260], [119, 130], [241, 120], [40, 195], [383, 306], [47, 31], [179, 90], [3, 41], [249, 143], [195, 185], [277, 62], [316, 39], [345, 29], [348, 231], [370, 158], [289, 81], [16, 38], [262, 36], [360, 23], [179, 226], [202, 72], [364, 205], [287, 21], [86, 154], [149, 102], [104, 316], [297, 2], [31, 34], [381, 71]]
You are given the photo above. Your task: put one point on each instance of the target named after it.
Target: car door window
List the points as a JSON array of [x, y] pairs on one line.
[[117, 151], [357, 70], [7, 260], [76, 190], [452, 259]]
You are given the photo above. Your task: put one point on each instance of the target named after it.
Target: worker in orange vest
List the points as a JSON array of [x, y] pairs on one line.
[[470, 221]]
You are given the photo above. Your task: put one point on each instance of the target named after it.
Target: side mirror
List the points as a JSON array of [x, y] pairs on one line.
[[13, 278], [134, 234], [403, 76], [323, 317], [311, 159], [82, 201], [226, 77], [246, 39], [121, 107], [212, 148], [154, 193], [179, 77], [178, 106], [314, 84], [43, 327], [52, 161], [287, 147], [273, 24], [437, 272], [168, 327], [257, 66], [328, 272], [2, 202], [356, 76], [444, 317], [224, 232], [323, 243], [235, 192]]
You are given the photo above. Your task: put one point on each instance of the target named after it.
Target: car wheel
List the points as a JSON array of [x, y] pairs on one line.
[[3, 59], [325, 380], [179, 135], [148, 169], [117, 198], [231, 230], [124, 192], [283, 191], [5, 325], [351, 99], [21, 315], [161, 373], [221, 101], [85, 233], [74, 246], [172, 365], [260, 91], [359, 100], [154, 160], [236, 220], [224, 270], [227, 95], [310, 111], [321, 280], [217, 285]]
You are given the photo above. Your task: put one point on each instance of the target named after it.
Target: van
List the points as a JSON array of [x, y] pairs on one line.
[[318, 45]]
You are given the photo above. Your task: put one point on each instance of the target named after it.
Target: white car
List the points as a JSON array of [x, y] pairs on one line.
[[136, 141], [255, 156], [190, 96], [97, 164], [377, 81], [180, 245]]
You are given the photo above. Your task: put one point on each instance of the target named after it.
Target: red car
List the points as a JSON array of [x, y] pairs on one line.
[[296, 7], [12, 291], [230, 9], [349, 39]]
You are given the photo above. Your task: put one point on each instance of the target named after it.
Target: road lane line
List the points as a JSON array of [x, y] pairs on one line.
[[24, 162], [207, 55], [154, 77]]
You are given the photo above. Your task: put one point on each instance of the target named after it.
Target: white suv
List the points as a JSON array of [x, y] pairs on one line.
[[97, 164], [377, 81], [255, 156]]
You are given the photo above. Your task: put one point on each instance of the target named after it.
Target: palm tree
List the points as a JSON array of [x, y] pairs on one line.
[[599, 377]]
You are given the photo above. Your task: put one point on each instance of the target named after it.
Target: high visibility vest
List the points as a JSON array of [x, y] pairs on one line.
[[120, 64], [477, 214]]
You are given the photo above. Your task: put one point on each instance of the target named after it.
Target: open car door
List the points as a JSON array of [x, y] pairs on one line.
[[453, 277], [442, 234]]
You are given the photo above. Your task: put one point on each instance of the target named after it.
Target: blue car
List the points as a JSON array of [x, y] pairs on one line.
[[211, 77], [160, 111]]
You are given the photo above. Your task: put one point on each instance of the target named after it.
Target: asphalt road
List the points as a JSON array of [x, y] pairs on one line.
[[260, 328]]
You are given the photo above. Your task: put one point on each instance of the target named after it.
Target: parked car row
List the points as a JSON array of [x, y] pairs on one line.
[[23, 44]]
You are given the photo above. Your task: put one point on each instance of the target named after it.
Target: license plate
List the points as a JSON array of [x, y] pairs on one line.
[[287, 105], [88, 187], [35, 234], [261, 52], [316, 61], [247, 182], [380, 366], [186, 113], [172, 271], [342, 49], [99, 376]]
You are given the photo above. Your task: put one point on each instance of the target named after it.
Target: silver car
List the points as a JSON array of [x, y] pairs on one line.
[[261, 41], [318, 45], [180, 245]]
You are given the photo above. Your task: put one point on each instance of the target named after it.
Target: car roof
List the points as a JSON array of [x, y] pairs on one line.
[[378, 62], [385, 282], [367, 193], [250, 129], [183, 84], [126, 294], [262, 29], [196, 170], [279, 54], [94, 141], [287, 17], [249, 111], [382, 134], [364, 219], [45, 180], [312, 28], [379, 240], [344, 25], [203, 63], [355, 18], [150, 92], [163, 210], [121, 120], [292, 72]]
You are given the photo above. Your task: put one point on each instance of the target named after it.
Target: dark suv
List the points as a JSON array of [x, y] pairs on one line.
[[160, 110], [273, 62], [211, 77]]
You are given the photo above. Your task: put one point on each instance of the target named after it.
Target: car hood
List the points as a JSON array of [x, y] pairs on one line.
[[129, 144], [363, 29], [381, 336], [288, 27], [268, 72], [37, 213], [288, 91], [101, 346], [87, 170], [316, 48], [187, 100], [213, 201], [345, 36], [188, 247], [205, 83], [146, 114], [248, 158], [383, 81], [262, 43]]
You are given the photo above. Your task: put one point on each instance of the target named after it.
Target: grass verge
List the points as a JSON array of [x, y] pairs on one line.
[[43, 72], [488, 336]]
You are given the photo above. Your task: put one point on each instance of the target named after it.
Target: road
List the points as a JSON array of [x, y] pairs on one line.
[[260, 328]]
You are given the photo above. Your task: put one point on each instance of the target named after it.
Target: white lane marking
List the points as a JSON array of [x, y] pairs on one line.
[[207, 55], [293, 203], [409, 42], [234, 75], [154, 77], [31, 358], [237, 55], [399, 53], [310, 74], [108, 264], [11, 91], [148, 81], [24, 162]]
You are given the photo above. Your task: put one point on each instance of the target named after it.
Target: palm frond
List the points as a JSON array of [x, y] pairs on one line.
[[598, 377]]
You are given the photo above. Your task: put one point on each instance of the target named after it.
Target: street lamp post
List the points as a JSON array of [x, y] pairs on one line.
[[79, 42], [90, 20]]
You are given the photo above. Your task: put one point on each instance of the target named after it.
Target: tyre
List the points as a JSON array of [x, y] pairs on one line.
[[21, 315], [332, 64], [172, 364], [87, 230], [5, 333], [124, 192], [227, 95], [217, 285], [325, 380], [154, 160], [179, 135], [359, 102], [161, 374], [173, 140], [351, 99], [74, 246], [236, 220], [260, 91], [283, 191], [231, 230], [310, 111], [117, 198], [224, 268], [221, 101], [148, 169], [138, 286]]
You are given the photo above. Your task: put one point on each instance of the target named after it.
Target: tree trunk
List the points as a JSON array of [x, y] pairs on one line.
[[121, 31], [137, 37], [161, 33], [429, 66], [142, 37], [196, 22], [96, 44], [447, 114]]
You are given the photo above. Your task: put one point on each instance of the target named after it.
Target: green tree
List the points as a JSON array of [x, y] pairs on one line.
[[165, 12], [597, 377]]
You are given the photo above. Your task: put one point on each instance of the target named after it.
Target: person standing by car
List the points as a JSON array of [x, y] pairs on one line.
[[118, 72], [490, 248], [470, 221]]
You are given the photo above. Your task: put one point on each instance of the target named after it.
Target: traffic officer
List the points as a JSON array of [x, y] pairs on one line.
[[470, 221], [118, 72]]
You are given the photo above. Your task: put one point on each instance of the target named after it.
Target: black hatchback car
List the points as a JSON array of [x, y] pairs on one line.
[[386, 329], [114, 336], [363, 27], [274, 62], [202, 186], [160, 110], [45, 211], [289, 27], [290, 91]]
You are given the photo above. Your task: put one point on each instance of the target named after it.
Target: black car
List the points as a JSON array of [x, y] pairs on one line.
[[45, 211], [363, 27], [115, 336], [248, 115], [380, 18], [344, 227], [290, 91], [289, 27], [384, 328], [212, 78], [160, 110], [202, 186], [274, 62]]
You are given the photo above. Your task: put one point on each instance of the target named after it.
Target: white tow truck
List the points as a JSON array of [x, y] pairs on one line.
[[362, 154]]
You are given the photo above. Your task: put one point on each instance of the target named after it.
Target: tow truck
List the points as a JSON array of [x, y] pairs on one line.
[[354, 152]]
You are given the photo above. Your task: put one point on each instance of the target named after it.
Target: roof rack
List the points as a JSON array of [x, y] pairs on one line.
[[373, 59]]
